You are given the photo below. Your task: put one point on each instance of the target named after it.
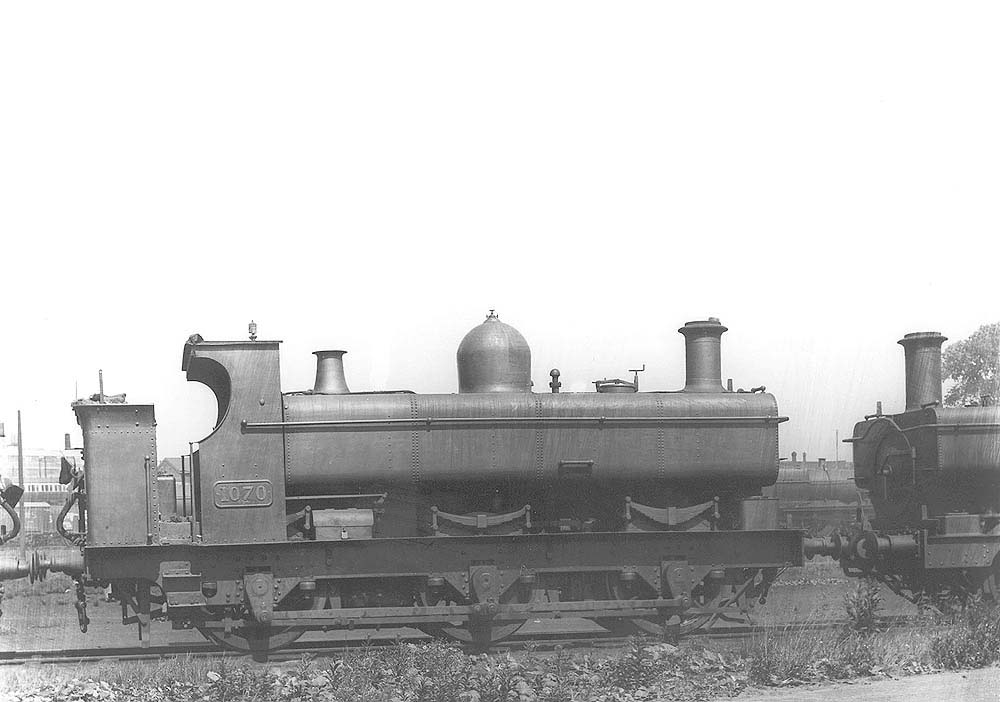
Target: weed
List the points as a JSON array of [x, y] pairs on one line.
[[633, 668], [498, 678], [862, 605], [554, 683]]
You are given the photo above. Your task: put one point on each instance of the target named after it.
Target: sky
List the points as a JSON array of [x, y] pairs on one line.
[[376, 176]]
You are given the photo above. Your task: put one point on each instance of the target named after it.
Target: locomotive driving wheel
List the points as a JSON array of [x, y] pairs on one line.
[[256, 640], [481, 634], [706, 596], [259, 640], [622, 590], [733, 605]]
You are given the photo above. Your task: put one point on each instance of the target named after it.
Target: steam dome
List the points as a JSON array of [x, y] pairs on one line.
[[494, 357]]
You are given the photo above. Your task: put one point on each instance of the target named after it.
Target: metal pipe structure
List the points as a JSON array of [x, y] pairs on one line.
[[703, 355], [923, 368], [75, 538], [330, 378], [13, 518]]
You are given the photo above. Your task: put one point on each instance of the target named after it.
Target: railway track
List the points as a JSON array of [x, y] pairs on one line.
[[295, 651]]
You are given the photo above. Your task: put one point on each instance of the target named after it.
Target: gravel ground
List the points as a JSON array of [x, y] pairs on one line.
[[964, 686]]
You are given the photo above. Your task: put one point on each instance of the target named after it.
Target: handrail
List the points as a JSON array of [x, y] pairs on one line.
[[454, 422], [871, 425]]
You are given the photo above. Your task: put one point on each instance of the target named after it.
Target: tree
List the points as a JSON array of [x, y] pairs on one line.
[[972, 365]]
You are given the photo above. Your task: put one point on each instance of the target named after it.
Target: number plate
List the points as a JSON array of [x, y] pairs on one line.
[[243, 493]]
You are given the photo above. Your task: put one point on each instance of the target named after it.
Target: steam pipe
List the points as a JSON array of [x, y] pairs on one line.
[[703, 355], [923, 368], [330, 378]]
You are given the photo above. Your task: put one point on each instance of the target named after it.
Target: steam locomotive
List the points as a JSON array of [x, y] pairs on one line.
[[818, 498], [462, 515], [933, 475]]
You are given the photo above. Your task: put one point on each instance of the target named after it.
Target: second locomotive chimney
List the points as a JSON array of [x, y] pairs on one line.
[[923, 368], [703, 354], [330, 378]]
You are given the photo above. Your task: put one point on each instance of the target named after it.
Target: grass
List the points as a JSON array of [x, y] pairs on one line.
[[974, 643], [441, 672], [865, 647], [800, 655]]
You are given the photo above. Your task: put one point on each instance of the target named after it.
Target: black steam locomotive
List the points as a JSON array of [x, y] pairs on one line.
[[933, 476], [461, 515]]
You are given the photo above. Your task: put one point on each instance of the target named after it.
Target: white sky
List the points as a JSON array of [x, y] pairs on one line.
[[375, 176]]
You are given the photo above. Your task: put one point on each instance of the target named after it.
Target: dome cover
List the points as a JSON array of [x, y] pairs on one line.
[[494, 357]]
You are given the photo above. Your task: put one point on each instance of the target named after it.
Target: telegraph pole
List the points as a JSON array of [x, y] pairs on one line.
[[20, 477]]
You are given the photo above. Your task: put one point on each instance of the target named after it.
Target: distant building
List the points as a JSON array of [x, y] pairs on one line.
[[835, 470], [43, 496], [169, 473]]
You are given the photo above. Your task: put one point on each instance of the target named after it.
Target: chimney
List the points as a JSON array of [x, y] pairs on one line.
[[923, 368], [803, 458], [795, 461], [330, 378], [66, 442], [703, 342], [822, 464]]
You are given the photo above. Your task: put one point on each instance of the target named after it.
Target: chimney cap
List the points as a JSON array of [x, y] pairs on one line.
[[331, 351], [922, 338], [711, 325]]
